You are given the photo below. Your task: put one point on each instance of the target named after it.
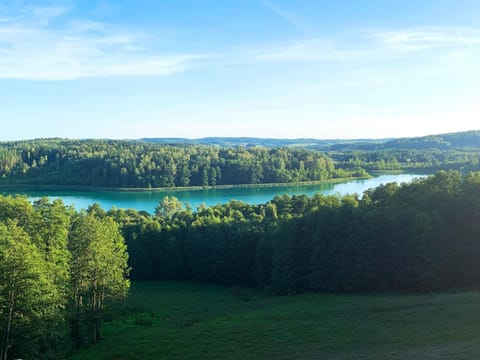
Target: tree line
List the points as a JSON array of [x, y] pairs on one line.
[[464, 160], [130, 164], [413, 237], [59, 271]]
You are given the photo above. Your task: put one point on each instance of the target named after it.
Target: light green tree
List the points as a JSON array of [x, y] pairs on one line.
[[168, 207], [98, 273], [26, 293]]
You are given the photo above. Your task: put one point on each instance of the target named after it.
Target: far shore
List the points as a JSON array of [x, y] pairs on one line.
[[26, 187]]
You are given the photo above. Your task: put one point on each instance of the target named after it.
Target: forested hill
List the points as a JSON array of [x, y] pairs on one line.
[[451, 141], [131, 164], [265, 142], [174, 162], [467, 139]]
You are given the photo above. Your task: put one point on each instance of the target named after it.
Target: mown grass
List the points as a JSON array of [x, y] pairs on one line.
[[190, 321]]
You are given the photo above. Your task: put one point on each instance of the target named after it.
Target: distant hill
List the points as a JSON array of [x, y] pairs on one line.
[[264, 142], [450, 141], [467, 139]]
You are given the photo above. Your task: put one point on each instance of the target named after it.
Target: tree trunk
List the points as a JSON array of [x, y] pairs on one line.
[[9, 326]]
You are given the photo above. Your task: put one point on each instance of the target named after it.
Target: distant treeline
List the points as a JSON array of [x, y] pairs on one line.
[[465, 160], [132, 164], [129, 164], [422, 236], [458, 140], [451, 141]]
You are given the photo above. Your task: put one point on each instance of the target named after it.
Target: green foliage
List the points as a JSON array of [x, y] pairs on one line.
[[98, 273], [417, 237], [29, 309], [408, 237], [129, 164], [435, 159], [168, 207], [40, 275]]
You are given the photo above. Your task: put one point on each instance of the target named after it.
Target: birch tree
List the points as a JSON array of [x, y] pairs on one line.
[[98, 273]]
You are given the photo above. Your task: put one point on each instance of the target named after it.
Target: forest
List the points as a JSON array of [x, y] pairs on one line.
[[156, 163], [374, 161], [61, 271], [398, 237], [130, 164]]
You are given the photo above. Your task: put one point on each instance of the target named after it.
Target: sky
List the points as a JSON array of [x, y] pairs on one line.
[[262, 68]]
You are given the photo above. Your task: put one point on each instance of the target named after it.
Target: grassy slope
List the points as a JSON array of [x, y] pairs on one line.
[[188, 321]]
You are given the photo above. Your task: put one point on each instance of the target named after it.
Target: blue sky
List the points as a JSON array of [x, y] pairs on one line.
[[265, 68]]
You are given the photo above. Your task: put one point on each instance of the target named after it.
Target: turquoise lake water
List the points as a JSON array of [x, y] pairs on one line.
[[148, 200]]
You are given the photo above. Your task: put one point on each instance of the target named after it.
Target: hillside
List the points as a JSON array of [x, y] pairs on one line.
[[264, 142], [450, 141], [467, 139]]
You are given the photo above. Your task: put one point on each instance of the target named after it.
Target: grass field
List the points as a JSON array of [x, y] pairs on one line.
[[191, 321]]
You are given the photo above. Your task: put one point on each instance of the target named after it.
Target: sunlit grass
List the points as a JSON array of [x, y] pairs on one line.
[[191, 321]]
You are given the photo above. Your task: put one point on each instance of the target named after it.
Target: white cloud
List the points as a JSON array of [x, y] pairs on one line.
[[32, 49], [428, 38], [45, 43]]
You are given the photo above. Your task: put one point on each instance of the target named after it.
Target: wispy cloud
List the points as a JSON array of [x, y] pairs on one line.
[[48, 43], [32, 49], [427, 38], [293, 19], [310, 50], [359, 45]]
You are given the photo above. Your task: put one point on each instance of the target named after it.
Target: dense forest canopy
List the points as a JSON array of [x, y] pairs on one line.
[[60, 269], [129, 164], [226, 161], [408, 160], [397, 237]]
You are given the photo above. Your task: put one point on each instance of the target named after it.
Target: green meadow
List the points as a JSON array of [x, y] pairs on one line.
[[162, 320]]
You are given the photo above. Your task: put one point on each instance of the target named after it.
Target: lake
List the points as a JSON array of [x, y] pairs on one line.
[[148, 200]]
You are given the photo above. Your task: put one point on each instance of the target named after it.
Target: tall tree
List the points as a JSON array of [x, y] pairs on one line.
[[98, 273], [26, 291]]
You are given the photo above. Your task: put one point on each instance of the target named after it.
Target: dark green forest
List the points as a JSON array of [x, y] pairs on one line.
[[455, 151], [62, 270], [409, 237], [129, 164], [226, 161], [464, 160]]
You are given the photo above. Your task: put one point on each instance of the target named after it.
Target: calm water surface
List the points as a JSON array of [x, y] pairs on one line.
[[148, 200]]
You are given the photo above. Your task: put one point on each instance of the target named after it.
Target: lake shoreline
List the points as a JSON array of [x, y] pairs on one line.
[[147, 200], [27, 187]]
